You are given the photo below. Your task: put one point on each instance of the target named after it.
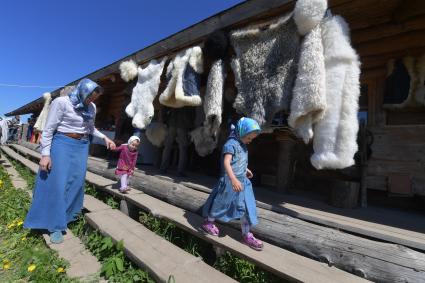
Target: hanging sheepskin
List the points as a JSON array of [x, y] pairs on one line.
[[183, 79], [42, 118], [265, 68], [335, 134], [309, 94], [205, 137], [156, 133], [141, 106]]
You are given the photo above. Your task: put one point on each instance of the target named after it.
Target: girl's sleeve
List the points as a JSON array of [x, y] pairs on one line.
[[54, 117], [229, 148], [119, 148]]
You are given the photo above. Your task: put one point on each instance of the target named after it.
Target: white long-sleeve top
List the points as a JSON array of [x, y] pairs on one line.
[[64, 118]]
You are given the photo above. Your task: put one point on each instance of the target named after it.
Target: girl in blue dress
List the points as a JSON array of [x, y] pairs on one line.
[[233, 197]]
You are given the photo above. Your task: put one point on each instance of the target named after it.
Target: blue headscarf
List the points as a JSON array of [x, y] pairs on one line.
[[243, 127], [81, 92]]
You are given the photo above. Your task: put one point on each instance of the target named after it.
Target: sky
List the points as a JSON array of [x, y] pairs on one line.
[[53, 42]]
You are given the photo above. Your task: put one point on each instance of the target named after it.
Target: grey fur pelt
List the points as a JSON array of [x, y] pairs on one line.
[[156, 133], [205, 137], [335, 135], [265, 67]]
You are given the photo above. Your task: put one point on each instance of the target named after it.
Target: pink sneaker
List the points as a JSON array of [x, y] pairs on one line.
[[124, 190], [252, 242], [210, 228]]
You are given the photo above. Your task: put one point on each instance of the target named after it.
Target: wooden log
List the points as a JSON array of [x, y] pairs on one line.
[[376, 261]]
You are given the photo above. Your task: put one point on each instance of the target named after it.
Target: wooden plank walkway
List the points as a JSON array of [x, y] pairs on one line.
[[277, 203], [351, 223], [274, 259], [148, 250], [82, 264], [279, 261]]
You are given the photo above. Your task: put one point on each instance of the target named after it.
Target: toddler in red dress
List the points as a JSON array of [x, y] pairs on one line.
[[127, 161]]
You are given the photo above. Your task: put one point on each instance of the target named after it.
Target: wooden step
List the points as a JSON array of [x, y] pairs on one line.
[[279, 261], [82, 264], [151, 252], [370, 229]]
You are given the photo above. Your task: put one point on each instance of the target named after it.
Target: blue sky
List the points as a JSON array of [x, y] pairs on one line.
[[54, 42]]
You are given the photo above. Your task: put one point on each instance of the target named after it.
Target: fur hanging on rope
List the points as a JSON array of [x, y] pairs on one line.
[[141, 106], [335, 135], [265, 68], [42, 118], [205, 137], [183, 79], [308, 103], [309, 94], [156, 133]]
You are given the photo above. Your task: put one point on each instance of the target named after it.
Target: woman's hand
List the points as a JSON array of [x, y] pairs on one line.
[[45, 163], [109, 143], [236, 185], [249, 174]]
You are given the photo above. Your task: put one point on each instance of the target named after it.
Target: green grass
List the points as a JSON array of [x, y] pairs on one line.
[[24, 256]]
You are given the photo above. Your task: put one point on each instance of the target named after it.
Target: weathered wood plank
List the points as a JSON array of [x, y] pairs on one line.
[[151, 252], [376, 261], [274, 259]]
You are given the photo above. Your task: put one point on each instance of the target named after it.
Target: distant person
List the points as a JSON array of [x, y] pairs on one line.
[[127, 161], [233, 197], [59, 187]]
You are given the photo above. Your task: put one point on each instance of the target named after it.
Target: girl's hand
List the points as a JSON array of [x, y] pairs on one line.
[[45, 163], [236, 185], [109, 144], [249, 174]]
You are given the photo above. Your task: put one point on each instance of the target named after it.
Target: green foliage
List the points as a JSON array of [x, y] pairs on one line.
[[115, 266], [24, 256]]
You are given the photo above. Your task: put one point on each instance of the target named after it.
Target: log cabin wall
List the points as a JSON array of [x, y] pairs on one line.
[[381, 30]]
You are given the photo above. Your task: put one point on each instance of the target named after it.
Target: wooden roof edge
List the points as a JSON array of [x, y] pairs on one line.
[[186, 37]]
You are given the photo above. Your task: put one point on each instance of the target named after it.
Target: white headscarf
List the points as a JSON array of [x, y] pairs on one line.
[[133, 138]]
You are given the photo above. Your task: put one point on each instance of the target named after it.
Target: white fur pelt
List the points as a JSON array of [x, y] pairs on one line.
[[156, 133], [42, 118], [205, 137], [335, 135], [174, 95], [4, 128], [265, 67], [308, 14], [309, 94], [141, 106]]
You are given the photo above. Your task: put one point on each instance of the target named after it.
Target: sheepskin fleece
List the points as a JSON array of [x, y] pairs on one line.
[[308, 103], [410, 101], [205, 137], [156, 133], [42, 118], [265, 68], [141, 106], [335, 135], [186, 62], [128, 70], [308, 14], [420, 91]]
